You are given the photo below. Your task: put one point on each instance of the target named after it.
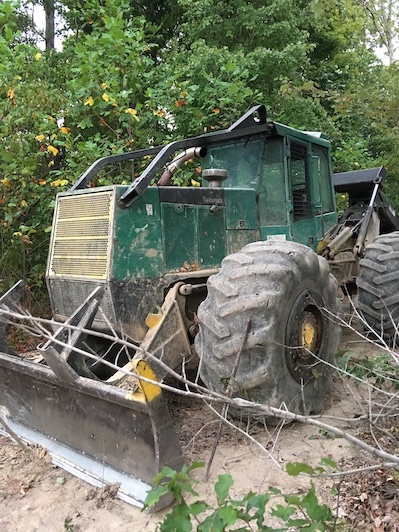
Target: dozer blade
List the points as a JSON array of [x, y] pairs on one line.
[[95, 430]]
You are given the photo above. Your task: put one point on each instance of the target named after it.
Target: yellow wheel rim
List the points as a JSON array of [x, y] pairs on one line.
[[309, 334]]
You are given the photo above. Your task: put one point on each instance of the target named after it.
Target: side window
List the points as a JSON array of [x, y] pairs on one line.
[[324, 170], [300, 189]]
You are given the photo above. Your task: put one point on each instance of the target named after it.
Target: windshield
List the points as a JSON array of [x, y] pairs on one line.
[[242, 159]]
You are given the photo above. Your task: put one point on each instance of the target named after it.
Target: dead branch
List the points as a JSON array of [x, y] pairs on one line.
[[38, 326]]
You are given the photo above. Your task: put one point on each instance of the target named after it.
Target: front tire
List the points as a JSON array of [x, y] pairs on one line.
[[282, 288]]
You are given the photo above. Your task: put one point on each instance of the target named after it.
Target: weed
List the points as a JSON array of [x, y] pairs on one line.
[[296, 512]]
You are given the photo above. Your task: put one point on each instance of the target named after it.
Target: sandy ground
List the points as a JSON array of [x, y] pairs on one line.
[[36, 496]]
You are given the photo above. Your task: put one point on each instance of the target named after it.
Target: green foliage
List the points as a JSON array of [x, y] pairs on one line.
[[133, 75], [379, 369], [68, 524], [299, 512]]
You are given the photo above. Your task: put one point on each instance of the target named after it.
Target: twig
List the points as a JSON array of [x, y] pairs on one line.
[[36, 324], [15, 436]]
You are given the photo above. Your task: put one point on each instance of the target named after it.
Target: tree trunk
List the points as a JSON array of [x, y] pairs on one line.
[[48, 6]]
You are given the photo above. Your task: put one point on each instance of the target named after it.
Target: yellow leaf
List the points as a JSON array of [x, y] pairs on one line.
[[105, 97], [52, 149], [133, 113], [10, 93], [194, 183], [216, 111], [51, 118], [104, 86], [40, 138], [5, 182], [65, 130], [24, 203], [38, 56], [59, 183], [89, 101], [42, 182]]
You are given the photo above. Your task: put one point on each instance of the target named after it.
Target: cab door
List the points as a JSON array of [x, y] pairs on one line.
[[304, 191]]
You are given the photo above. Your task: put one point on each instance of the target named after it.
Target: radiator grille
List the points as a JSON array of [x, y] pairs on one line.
[[82, 236]]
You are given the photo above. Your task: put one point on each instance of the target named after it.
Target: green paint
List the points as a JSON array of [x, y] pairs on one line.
[[267, 173]]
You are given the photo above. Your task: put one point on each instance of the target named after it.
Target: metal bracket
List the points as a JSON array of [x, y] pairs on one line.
[[66, 363]]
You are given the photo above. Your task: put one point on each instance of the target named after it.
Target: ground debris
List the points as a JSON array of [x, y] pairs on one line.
[[104, 496], [370, 500]]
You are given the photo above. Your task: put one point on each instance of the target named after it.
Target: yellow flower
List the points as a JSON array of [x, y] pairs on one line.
[[40, 138], [24, 203], [52, 149], [65, 130], [105, 97], [133, 113], [89, 101], [103, 86], [38, 56]]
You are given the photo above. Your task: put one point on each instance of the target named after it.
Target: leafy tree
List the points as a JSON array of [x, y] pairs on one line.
[[130, 75], [383, 18]]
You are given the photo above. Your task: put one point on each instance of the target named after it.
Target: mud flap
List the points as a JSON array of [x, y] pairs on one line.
[[95, 430]]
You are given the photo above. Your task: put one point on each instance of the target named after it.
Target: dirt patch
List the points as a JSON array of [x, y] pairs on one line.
[[35, 495]]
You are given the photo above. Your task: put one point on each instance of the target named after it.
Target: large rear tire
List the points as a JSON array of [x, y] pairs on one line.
[[378, 285], [283, 289]]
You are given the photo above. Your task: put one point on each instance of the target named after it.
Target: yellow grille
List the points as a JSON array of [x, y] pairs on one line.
[[82, 236]]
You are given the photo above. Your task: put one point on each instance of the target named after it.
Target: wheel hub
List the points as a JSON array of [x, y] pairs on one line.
[[304, 338], [308, 332]]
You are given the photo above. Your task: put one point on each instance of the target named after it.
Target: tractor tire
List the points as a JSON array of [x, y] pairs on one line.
[[378, 286], [281, 289]]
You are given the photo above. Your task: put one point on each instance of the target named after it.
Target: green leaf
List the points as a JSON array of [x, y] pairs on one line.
[[274, 491], [223, 486], [154, 495], [293, 499], [213, 523], [283, 512], [259, 502], [178, 519], [195, 465], [329, 462], [296, 468], [228, 515], [198, 507], [316, 511]]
